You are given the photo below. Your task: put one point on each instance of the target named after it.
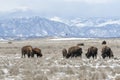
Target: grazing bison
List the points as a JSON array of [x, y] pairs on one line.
[[26, 50], [74, 51], [92, 52], [80, 44], [37, 51], [64, 52], [104, 42], [107, 52]]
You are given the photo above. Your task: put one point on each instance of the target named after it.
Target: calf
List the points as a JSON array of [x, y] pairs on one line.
[[104, 42], [37, 51]]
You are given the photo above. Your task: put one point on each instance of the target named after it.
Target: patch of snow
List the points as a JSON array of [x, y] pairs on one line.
[[55, 18], [5, 71], [109, 23], [60, 39]]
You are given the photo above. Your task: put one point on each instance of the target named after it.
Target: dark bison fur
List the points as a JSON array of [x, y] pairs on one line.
[[26, 50], [104, 42], [37, 51], [64, 52], [80, 44], [74, 51], [107, 52], [92, 52]]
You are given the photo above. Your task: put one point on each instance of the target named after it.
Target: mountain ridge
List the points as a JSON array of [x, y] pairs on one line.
[[28, 27]]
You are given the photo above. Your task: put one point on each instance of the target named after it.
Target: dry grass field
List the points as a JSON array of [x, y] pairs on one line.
[[52, 66]]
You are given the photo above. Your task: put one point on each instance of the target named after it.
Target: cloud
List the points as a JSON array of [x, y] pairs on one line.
[[91, 1], [64, 8], [22, 8]]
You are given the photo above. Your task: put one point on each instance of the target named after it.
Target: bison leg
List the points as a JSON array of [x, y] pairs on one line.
[[111, 53], [80, 55], [93, 56], [32, 55], [38, 55], [29, 55], [23, 54], [110, 56], [41, 55]]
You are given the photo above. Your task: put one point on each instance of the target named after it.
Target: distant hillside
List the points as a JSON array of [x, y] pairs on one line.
[[42, 27]]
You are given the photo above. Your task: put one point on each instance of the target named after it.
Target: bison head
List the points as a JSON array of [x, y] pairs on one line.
[[87, 55]]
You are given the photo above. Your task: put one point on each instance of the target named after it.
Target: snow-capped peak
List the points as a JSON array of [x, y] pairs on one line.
[[42, 27], [110, 22], [55, 18]]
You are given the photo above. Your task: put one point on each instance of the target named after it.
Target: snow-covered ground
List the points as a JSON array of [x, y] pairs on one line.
[[59, 39], [58, 68], [52, 66]]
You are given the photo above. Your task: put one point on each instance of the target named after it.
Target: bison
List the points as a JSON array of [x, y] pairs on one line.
[[80, 44], [107, 52], [104, 42], [37, 51], [92, 52], [74, 51], [26, 50]]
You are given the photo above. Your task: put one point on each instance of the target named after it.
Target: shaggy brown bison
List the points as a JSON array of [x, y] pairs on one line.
[[107, 52], [104, 42], [92, 52], [37, 51], [26, 50], [74, 51], [80, 44], [64, 52]]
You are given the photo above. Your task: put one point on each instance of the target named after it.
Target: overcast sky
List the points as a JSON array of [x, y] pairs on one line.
[[65, 8]]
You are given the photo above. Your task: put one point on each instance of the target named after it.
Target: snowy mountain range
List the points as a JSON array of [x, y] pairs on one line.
[[94, 27], [31, 27]]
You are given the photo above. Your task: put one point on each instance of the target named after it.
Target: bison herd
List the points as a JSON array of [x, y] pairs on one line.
[[74, 51], [92, 51]]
